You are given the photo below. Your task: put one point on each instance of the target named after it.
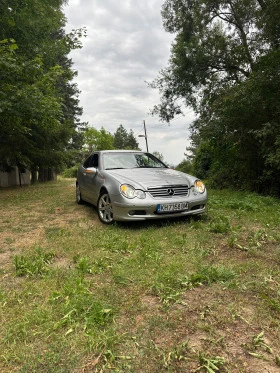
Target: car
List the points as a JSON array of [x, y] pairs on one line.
[[128, 185]]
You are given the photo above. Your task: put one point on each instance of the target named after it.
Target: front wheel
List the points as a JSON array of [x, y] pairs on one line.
[[104, 208]]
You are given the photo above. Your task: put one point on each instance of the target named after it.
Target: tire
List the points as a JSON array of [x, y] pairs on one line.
[[79, 199], [104, 208]]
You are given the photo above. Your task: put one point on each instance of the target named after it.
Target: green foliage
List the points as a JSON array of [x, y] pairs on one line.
[[186, 166], [70, 172], [76, 305], [258, 343], [97, 140], [220, 224], [210, 364], [158, 155], [241, 144], [170, 288], [125, 140], [39, 105], [232, 82], [86, 266], [210, 274], [33, 265], [94, 140], [273, 303], [178, 353]]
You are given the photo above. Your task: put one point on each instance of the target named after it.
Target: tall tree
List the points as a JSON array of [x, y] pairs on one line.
[[217, 43], [221, 53], [39, 104], [97, 140], [158, 155], [125, 140]]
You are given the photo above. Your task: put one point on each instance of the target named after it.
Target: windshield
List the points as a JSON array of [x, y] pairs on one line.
[[131, 160]]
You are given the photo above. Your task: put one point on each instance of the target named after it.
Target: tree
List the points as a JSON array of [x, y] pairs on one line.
[[158, 155], [185, 166], [225, 64], [30, 109], [217, 43], [243, 131], [39, 104], [125, 140], [131, 142], [97, 140]]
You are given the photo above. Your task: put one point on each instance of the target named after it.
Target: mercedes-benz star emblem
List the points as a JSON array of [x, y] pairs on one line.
[[170, 192]]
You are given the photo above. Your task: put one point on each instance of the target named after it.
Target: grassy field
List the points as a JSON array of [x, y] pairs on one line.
[[185, 295]]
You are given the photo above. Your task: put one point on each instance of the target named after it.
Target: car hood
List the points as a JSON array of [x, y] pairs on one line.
[[151, 177]]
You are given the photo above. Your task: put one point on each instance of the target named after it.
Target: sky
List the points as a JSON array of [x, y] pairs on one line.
[[126, 47]]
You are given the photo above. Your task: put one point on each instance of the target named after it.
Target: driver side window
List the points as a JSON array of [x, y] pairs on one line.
[[91, 161]]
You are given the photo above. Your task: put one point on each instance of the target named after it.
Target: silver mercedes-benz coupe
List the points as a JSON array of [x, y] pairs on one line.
[[134, 185]]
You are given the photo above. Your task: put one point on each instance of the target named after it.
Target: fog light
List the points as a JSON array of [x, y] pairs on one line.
[[132, 212]]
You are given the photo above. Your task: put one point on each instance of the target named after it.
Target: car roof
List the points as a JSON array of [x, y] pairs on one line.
[[120, 151]]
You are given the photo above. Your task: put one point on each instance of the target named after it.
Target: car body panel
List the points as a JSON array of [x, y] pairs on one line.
[[93, 180], [90, 184], [145, 178]]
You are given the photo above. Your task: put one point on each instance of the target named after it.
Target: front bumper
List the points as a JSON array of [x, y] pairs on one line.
[[136, 209]]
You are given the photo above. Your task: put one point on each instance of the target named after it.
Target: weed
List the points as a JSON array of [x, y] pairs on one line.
[[210, 274], [33, 265], [258, 342], [210, 364], [77, 306], [101, 264], [83, 265], [54, 233], [87, 266], [171, 290], [113, 242], [220, 224], [178, 353], [273, 303]]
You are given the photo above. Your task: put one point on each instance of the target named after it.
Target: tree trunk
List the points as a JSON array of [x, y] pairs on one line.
[[33, 175]]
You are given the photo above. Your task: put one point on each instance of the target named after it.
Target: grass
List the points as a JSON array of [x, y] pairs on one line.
[[186, 295]]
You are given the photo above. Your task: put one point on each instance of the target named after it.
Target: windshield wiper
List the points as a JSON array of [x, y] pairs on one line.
[[149, 167]]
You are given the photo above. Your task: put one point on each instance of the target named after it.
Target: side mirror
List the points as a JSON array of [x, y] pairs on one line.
[[90, 171]]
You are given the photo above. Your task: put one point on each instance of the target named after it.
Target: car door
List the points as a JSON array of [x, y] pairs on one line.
[[90, 178]]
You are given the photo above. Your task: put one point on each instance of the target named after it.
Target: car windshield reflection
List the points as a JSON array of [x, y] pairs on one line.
[[114, 161]]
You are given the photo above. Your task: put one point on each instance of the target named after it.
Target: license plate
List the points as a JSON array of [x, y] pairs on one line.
[[172, 207]]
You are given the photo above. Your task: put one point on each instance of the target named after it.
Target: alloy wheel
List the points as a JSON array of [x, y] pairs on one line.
[[105, 210]]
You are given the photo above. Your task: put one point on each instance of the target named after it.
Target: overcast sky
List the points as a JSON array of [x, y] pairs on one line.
[[125, 47]]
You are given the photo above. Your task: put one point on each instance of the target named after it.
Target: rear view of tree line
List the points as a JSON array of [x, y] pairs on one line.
[[225, 64], [39, 112]]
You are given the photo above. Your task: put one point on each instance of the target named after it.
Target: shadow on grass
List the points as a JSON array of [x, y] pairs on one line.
[[160, 223]]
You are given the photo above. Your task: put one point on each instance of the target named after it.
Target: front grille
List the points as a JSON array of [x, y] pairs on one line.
[[168, 191]]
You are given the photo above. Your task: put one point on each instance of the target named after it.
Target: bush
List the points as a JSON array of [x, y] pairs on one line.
[[70, 172], [185, 166]]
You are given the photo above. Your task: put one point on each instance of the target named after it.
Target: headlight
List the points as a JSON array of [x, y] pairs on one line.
[[199, 187], [129, 192]]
